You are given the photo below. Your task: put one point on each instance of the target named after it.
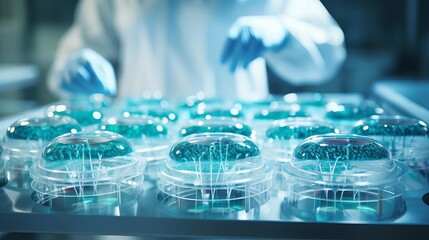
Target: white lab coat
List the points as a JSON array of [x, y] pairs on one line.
[[175, 46]]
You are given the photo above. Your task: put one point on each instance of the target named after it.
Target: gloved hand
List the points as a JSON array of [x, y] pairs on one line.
[[87, 72], [250, 37]]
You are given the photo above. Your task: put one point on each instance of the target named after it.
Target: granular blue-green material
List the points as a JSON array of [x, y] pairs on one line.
[[279, 114], [44, 129], [391, 127], [82, 148], [163, 114], [83, 117], [144, 130], [353, 112], [340, 149], [241, 129], [213, 150], [297, 132], [231, 113]]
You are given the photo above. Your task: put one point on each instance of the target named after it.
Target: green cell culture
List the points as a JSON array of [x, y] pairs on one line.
[[350, 111], [41, 129], [290, 129], [277, 114], [84, 115], [216, 125], [135, 128]]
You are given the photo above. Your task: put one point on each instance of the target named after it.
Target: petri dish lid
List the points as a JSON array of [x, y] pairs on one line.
[[216, 125], [305, 98], [351, 111], [163, 114], [391, 126], [298, 129], [86, 157], [31, 134], [215, 159], [208, 112], [277, 114], [85, 115], [150, 138], [344, 159]]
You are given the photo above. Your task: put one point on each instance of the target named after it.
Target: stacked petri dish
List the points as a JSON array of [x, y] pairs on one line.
[[282, 138], [344, 177], [406, 138], [150, 138], [214, 172], [87, 171], [24, 141]]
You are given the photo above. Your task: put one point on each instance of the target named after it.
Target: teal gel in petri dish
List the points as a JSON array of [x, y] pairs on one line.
[[87, 167], [215, 169], [277, 114], [216, 125], [84, 115], [342, 177], [24, 141]]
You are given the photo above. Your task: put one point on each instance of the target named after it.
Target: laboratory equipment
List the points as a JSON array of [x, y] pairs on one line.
[[24, 141], [216, 125], [150, 138], [214, 172], [283, 136], [345, 115], [344, 177], [87, 170], [407, 140]]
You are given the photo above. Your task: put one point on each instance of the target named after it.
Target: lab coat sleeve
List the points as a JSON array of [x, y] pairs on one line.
[[314, 51], [93, 28]]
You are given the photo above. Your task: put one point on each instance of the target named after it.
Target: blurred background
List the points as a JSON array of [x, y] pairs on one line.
[[385, 39]]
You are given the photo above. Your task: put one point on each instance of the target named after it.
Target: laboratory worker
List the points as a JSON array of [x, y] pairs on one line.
[[180, 48]]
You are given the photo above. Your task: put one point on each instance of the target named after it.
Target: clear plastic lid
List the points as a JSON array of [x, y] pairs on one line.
[[306, 99], [215, 167], [283, 136], [277, 114], [151, 139], [86, 164], [26, 137], [216, 125], [163, 114], [350, 111], [147, 101], [85, 114], [391, 126], [344, 176], [207, 112]]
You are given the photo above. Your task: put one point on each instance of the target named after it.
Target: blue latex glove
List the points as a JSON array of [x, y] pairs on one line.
[[87, 72], [250, 37]]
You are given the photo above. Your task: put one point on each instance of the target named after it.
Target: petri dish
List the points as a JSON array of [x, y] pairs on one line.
[[207, 112], [214, 172], [151, 139], [146, 101], [345, 115], [87, 170], [344, 177], [283, 136], [162, 114], [86, 115], [24, 141], [216, 125], [406, 138]]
